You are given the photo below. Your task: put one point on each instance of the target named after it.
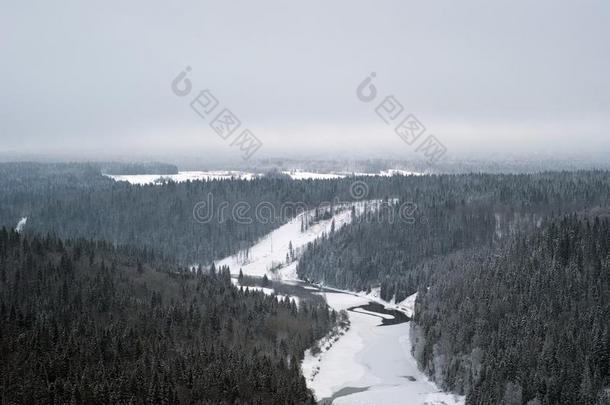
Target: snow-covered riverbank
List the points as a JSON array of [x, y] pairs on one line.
[[368, 364]]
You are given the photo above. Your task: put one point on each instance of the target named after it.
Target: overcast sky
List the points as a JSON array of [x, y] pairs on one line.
[[484, 77]]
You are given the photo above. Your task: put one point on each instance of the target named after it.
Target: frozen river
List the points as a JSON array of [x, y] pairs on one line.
[[369, 364]]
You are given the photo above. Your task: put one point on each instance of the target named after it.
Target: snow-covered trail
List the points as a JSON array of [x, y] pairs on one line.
[[271, 250], [369, 364]]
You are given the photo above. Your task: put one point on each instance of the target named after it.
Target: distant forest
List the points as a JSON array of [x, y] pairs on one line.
[[77, 201], [453, 213], [137, 168]]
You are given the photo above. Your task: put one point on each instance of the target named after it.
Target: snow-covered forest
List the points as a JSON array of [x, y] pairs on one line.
[[494, 289]]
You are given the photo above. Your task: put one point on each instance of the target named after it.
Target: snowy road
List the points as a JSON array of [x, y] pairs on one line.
[[369, 364]]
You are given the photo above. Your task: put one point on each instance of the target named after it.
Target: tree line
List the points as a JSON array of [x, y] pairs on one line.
[[453, 213]]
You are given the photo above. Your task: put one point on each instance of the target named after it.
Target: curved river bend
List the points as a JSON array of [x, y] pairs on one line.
[[370, 363]]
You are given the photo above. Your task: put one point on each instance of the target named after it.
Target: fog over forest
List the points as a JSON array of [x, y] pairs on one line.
[[487, 79]]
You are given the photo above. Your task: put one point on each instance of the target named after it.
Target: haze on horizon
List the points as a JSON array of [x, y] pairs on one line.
[[510, 77]]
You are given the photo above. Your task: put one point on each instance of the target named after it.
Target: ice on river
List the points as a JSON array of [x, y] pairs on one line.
[[376, 359], [369, 364]]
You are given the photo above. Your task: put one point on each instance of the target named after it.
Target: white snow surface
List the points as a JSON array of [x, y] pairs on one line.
[[304, 175], [21, 224], [364, 311], [271, 250], [265, 290], [367, 356], [377, 357], [143, 179], [407, 305]]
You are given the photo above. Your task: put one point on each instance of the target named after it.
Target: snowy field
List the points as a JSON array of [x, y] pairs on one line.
[[369, 364], [143, 179], [303, 175]]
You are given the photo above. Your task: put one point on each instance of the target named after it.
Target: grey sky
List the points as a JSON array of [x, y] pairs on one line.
[[504, 76]]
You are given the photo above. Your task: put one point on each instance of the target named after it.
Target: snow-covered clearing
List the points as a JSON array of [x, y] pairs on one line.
[[367, 364], [143, 179], [301, 175], [270, 252], [304, 175]]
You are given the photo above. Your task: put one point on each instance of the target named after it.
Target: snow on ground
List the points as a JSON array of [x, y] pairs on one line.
[[368, 364], [281, 297], [268, 291], [271, 291], [21, 224], [143, 179], [265, 290], [303, 175], [364, 311], [398, 172], [377, 358], [271, 250], [407, 305]]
